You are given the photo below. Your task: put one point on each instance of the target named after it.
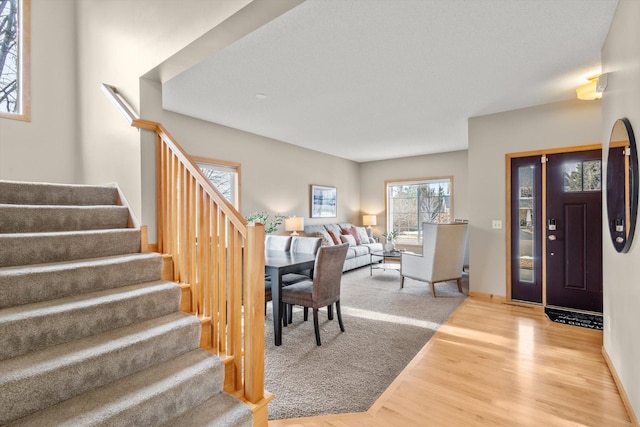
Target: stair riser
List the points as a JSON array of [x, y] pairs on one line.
[[38, 219], [154, 396], [31, 193], [222, 410], [181, 397], [47, 383], [47, 282], [37, 326], [26, 249]]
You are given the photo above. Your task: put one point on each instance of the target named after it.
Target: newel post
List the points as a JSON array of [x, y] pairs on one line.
[[254, 313]]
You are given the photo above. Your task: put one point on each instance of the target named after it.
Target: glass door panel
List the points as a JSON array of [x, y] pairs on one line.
[[526, 220]]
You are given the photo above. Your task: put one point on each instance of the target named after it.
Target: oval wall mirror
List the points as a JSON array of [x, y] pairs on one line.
[[622, 185]]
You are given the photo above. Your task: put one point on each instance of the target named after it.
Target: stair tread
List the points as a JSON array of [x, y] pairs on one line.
[[68, 353], [26, 248], [17, 192], [16, 218], [34, 326], [91, 299], [39, 379], [122, 398], [74, 263], [24, 284], [67, 233]]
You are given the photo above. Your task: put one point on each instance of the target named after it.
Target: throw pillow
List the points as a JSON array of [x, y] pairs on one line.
[[335, 236], [348, 238], [326, 239], [362, 233], [353, 232]]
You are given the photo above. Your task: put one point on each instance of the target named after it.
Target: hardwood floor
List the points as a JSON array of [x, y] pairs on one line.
[[497, 365]]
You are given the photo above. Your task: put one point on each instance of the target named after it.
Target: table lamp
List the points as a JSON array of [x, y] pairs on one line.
[[368, 221], [295, 224]]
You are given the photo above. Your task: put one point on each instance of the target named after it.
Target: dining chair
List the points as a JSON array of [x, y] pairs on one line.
[[323, 290], [277, 243], [304, 245], [442, 259], [273, 243]]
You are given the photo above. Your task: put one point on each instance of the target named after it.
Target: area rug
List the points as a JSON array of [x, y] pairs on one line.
[[385, 327], [574, 318]]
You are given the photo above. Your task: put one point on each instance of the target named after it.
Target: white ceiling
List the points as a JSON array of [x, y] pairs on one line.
[[377, 79]]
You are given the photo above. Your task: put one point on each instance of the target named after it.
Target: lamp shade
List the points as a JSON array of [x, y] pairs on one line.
[[295, 224], [369, 220]]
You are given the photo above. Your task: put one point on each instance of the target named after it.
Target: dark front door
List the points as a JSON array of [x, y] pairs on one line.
[[574, 230]]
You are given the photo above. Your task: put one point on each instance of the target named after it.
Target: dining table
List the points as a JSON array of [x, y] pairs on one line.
[[277, 264]]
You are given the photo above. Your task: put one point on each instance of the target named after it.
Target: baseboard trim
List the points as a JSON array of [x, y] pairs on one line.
[[481, 296], [623, 393]]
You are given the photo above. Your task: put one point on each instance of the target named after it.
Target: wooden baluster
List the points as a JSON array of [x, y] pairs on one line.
[[214, 277], [254, 313]]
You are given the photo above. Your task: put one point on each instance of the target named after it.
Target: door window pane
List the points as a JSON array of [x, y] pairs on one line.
[[592, 175], [582, 176]]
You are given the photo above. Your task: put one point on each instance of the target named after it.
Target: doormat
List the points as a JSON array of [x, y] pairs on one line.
[[574, 318]]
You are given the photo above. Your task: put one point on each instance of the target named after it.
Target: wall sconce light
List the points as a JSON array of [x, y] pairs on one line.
[[295, 224], [593, 89], [368, 221]]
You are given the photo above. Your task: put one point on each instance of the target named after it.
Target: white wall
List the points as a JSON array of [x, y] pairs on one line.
[[374, 174], [44, 149], [493, 136], [118, 42], [621, 60]]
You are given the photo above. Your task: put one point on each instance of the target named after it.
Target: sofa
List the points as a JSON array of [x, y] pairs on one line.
[[360, 247]]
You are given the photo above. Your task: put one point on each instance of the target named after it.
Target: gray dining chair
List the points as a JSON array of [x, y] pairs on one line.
[[277, 243], [303, 245], [273, 243], [323, 290]]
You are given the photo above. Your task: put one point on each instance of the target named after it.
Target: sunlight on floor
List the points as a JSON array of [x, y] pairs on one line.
[[373, 315]]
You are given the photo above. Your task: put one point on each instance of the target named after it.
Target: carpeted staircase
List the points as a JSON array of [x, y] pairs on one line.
[[89, 334]]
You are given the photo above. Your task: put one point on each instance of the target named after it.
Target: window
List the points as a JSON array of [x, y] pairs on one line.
[[583, 175], [225, 176], [412, 202], [14, 59]]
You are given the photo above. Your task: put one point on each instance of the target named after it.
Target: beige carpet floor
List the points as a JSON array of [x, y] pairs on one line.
[[385, 327]]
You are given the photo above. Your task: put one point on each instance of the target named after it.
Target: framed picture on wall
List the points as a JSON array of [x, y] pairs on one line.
[[324, 201]]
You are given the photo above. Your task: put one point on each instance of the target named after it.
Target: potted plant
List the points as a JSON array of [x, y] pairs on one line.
[[270, 226], [390, 236]]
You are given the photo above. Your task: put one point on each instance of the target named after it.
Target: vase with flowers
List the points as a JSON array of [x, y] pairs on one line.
[[390, 236]]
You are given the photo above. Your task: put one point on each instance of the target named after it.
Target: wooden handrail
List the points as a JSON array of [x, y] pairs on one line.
[[217, 254]]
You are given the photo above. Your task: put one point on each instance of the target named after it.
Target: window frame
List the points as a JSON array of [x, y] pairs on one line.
[[225, 164], [410, 181], [24, 61]]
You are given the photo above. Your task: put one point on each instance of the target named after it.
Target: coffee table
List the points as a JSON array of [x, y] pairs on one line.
[[393, 256]]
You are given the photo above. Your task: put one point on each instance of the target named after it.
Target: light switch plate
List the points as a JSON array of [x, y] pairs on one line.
[[496, 224]]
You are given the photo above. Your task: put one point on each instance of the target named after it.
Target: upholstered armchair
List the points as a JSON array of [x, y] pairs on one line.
[[442, 259], [324, 289]]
